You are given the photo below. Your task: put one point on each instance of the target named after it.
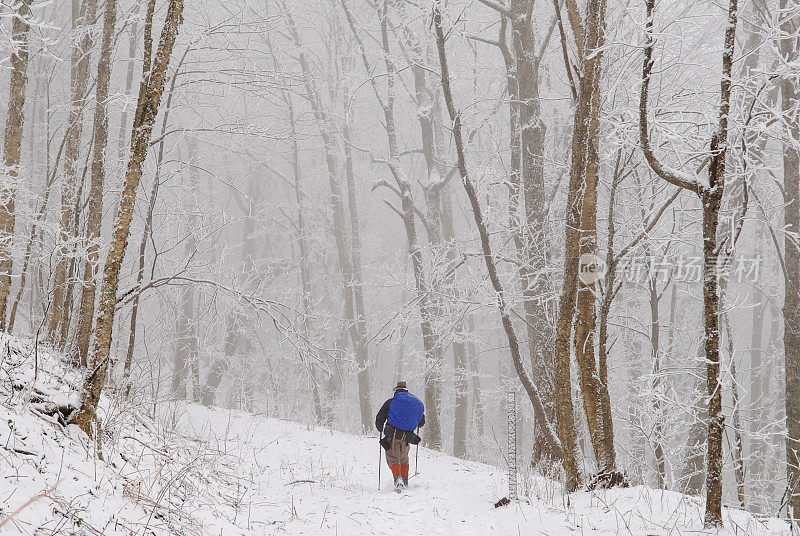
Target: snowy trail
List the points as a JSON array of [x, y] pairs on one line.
[[448, 497], [197, 471]]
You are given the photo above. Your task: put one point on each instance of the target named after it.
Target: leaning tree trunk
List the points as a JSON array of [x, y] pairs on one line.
[[146, 233], [95, 217], [146, 111], [488, 256], [12, 143]]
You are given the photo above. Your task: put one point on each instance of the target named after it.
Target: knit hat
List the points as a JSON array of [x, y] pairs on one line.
[[401, 386]]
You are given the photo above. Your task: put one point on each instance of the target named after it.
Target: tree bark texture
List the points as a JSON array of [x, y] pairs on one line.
[[790, 95]]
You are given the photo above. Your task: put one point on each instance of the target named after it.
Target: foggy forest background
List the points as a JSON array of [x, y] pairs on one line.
[[286, 207]]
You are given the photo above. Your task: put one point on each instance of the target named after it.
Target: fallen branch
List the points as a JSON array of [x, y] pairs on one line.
[[21, 451]]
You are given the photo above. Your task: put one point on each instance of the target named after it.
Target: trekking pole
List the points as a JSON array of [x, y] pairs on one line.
[[416, 461], [379, 464]]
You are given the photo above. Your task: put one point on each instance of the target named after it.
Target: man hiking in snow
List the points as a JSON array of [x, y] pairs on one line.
[[404, 413]]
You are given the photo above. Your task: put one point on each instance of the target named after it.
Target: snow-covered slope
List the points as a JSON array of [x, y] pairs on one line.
[[200, 471]]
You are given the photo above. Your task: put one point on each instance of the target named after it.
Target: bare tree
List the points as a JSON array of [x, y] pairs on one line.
[[408, 213], [508, 327], [710, 194], [523, 63], [355, 326]]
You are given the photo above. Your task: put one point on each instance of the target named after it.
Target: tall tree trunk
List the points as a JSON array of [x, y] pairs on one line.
[[585, 167], [186, 346], [248, 253], [95, 217], [72, 265], [577, 302], [567, 302], [711, 311], [146, 111], [460, 364], [181, 343], [305, 271], [339, 229], [35, 232], [737, 449], [12, 144], [40, 214], [83, 15], [790, 95], [527, 148], [759, 383], [635, 371], [427, 114], [475, 370]]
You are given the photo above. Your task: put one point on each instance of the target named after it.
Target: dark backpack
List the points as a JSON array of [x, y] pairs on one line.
[[405, 411]]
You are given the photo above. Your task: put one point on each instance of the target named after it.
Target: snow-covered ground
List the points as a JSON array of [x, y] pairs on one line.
[[204, 471]]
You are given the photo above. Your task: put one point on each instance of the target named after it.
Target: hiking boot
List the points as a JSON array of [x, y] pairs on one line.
[[405, 482], [398, 484]]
